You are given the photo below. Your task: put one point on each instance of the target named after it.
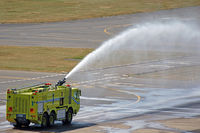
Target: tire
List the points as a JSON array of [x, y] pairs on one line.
[[52, 119], [45, 120], [69, 116], [68, 119], [27, 124], [17, 124]]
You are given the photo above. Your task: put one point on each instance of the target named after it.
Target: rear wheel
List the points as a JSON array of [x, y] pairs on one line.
[[45, 120], [69, 116], [27, 123], [17, 124], [52, 118]]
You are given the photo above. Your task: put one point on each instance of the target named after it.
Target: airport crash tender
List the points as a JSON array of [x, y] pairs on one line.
[[42, 104]]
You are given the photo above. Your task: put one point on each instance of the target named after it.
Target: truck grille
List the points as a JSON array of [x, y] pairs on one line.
[[21, 104]]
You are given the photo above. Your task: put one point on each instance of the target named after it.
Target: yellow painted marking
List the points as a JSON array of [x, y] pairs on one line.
[[138, 97], [106, 30], [90, 86]]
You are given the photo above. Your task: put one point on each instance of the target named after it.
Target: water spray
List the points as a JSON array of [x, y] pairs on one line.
[[165, 37]]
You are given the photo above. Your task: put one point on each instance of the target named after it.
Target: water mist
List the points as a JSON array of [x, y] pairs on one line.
[[163, 37]]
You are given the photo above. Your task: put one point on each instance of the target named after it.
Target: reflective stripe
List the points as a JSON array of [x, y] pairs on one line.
[[75, 100], [50, 100], [56, 99]]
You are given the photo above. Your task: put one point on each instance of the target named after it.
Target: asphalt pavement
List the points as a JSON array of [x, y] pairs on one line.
[[89, 33], [126, 98]]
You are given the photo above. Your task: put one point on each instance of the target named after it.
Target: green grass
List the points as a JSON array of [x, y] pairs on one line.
[[21, 11], [44, 59]]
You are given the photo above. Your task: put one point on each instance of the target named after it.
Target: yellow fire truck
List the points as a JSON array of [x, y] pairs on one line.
[[42, 104]]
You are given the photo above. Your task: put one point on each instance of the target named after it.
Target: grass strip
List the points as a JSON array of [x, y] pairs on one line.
[[23, 11], [43, 59]]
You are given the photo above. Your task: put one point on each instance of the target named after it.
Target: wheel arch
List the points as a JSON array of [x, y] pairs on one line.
[[54, 112], [45, 113], [70, 108]]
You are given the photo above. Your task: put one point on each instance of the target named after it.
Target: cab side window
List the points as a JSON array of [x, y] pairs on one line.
[[76, 95]]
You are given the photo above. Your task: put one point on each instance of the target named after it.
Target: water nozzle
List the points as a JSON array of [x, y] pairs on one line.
[[60, 82]]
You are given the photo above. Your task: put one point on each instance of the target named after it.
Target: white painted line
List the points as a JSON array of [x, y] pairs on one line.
[[98, 99]]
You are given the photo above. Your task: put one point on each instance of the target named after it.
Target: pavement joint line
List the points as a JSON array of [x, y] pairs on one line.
[[27, 79], [11, 77], [58, 38], [89, 81], [140, 63]]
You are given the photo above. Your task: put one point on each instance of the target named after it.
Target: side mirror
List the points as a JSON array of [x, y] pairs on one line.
[[80, 92]]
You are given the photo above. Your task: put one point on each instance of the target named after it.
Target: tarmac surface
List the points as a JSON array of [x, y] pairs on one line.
[[147, 97], [85, 33]]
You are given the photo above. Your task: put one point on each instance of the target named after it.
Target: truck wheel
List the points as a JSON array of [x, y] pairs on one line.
[[69, 116], [17, 124], [45, 120], [52, 118], [27, 124]]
